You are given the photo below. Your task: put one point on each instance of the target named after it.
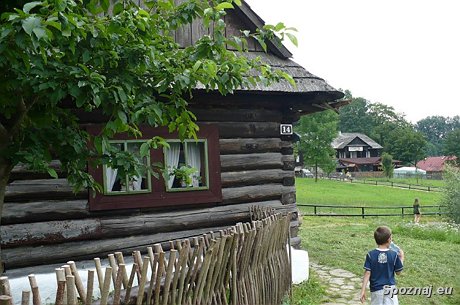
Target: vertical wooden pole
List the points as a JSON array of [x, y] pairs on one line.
[[118, 283], [89, 287], [60, 293], [130, 283], [25, 297], [71, 293], [121, 260], [106, 286], [60, 277], [140, 294], [99, 272], [36, 299], [78, 282], [5, 300]]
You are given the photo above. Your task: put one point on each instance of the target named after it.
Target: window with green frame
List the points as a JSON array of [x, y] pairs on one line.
[[186, 165], [119, 183]]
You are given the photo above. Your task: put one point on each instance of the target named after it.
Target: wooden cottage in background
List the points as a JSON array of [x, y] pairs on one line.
[[241, 159]]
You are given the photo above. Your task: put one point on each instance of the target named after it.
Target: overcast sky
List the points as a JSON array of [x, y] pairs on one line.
[[403, 53]]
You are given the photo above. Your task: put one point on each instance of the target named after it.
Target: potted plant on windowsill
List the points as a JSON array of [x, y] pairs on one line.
[[184, 174]]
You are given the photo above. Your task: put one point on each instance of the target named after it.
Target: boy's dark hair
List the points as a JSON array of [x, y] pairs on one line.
[[382, 234]]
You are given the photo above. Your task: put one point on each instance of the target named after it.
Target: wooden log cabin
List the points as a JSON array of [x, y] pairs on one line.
[[241, 159]]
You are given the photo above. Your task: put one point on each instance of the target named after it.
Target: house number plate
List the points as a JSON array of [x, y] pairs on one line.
[[286, 129]]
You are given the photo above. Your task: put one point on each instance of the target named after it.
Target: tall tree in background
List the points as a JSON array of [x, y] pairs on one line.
[[387, 165], [436, 128], [452, 144], [406, 145], [316, 134], [354, 116], [386, 126]]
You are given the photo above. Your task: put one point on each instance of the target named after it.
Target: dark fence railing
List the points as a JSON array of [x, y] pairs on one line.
[[418, 187], [328, 210]]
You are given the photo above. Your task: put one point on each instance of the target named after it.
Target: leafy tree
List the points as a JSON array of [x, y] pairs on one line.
[[316, 134], [387, 165], [373, 119], [60, 55], [407, 145], [435, 128], [451, 194], [452, 144], [354, 117]]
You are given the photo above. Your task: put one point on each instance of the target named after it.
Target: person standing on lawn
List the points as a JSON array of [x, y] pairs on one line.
[[380, 266], [417, 211]]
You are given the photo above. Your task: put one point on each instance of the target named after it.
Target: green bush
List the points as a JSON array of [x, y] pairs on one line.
[[451, 195]]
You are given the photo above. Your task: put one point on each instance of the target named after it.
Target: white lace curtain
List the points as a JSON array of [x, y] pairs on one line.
[[194, 160], [172, 160], [111, 177]]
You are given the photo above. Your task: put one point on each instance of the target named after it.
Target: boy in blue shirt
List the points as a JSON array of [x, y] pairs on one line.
[[381, 265]]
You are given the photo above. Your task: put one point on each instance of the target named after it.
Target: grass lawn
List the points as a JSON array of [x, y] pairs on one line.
[[432, 250], [353, 194]]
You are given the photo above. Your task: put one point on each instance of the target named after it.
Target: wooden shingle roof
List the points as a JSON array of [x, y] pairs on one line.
[[345, 138]]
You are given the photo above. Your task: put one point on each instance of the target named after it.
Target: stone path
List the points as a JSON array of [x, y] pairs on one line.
[[342, 286]]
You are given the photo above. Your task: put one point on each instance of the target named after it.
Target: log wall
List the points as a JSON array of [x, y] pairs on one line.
[[43, 218]]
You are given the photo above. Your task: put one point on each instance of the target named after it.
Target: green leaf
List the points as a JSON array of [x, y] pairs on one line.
[[52, 173], [223, 6], [293, 39], [279, 26], [54, 24], [105, 5], [144, 150], [30, 23], [40, 33], [29, 6], [197, 65], [118, 8], [237, 2], [122, 116]]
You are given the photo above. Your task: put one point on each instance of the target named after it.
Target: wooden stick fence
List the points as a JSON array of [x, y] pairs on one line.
[[245, 264]]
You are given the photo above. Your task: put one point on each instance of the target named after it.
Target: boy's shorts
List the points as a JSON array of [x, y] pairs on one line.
[[380, 298]]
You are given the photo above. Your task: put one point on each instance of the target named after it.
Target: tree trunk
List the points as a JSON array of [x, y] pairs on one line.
[[5, 170], [316, 170]]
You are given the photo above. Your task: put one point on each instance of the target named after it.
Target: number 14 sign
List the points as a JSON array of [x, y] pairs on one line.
[[286, 129]]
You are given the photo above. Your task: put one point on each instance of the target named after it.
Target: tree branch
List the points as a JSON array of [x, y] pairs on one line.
[[3, 133], [22, 112]]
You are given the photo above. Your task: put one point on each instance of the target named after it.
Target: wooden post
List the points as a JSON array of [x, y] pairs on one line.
[[89, 287], [61, 296], [78, 282], [100, 276], [315, 209], [106, 286], [402, 212], [121, 260], [118, 283], [145, 266], [5, 286], [71, 293], [25, 297], [60, 293], [130, 283], [6, 300], [114, 266], [36, 300], [362, 212]]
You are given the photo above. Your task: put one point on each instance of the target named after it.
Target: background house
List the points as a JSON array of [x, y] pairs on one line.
[[356, 152], [241, 159], [434, 166]]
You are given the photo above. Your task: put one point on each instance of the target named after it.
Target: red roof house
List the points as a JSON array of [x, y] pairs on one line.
[[435, 164]]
